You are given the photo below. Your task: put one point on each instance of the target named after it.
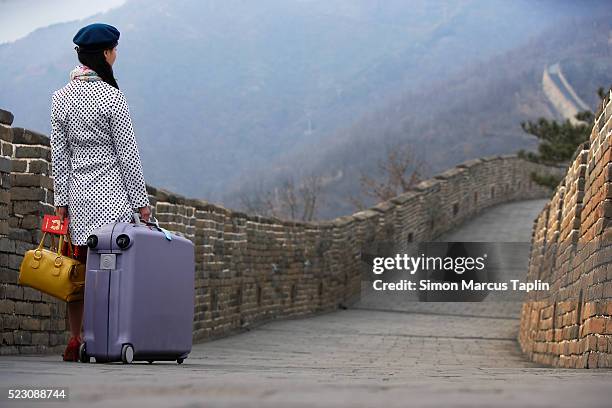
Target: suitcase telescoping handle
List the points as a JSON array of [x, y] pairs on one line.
[[155, 224]]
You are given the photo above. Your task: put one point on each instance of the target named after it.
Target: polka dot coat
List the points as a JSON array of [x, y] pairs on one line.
[[97, 170]]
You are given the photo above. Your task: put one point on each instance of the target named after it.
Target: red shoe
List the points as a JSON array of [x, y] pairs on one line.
[[71, 353]]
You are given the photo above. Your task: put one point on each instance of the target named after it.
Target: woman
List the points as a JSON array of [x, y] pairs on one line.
[[97, 171]]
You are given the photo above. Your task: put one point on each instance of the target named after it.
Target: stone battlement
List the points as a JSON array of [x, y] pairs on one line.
[[249, 269], [571, 247]]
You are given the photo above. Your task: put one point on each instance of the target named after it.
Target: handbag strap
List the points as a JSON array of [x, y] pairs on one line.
[[70, 248], [59, 246], [42, 241]]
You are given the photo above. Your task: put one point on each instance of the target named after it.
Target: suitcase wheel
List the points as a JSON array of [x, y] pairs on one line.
[[83, 357], [127, 354], [180, 360]]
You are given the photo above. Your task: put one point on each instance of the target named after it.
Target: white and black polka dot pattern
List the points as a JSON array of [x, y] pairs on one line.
[[96, 164]]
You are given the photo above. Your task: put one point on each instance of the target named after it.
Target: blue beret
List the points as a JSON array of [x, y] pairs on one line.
[[96, 36]]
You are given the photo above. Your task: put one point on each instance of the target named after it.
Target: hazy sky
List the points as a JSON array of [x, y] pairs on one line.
[[20, 17]]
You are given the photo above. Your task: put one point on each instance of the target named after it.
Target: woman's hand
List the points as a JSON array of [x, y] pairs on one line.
[[61, 212], [145, 213]]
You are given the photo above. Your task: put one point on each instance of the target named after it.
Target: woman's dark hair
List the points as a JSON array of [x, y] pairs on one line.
[[96, 61]]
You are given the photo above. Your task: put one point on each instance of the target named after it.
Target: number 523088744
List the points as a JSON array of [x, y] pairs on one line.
[[35, 393]]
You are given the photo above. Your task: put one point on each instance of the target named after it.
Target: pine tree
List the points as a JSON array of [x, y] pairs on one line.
[[558, 141]]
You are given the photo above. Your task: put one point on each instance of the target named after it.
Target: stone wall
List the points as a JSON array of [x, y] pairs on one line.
[[249, 269], [571, 325]]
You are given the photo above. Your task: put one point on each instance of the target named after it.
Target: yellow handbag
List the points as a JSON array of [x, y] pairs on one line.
[[51, 272]]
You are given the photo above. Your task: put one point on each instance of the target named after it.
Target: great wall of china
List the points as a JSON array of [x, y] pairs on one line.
[[251, 269]]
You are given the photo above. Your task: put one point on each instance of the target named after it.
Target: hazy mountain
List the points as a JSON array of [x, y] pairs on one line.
[[476, 113], [223, 92]]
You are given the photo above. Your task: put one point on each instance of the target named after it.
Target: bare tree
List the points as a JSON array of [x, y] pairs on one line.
[[310, 191], [397, 173], [356, 201], [258, 201], [286, 201]]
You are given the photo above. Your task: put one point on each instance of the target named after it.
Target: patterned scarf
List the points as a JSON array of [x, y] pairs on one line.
[[83, 73]]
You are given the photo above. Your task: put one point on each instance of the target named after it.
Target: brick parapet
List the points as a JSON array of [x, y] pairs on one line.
[[571, 325], [249, 268]]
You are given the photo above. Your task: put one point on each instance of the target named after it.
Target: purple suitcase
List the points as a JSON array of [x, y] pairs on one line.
[[139, 294]]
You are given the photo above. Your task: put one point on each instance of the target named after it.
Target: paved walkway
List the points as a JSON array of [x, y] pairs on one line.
[[509, 222], [432, 355]]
